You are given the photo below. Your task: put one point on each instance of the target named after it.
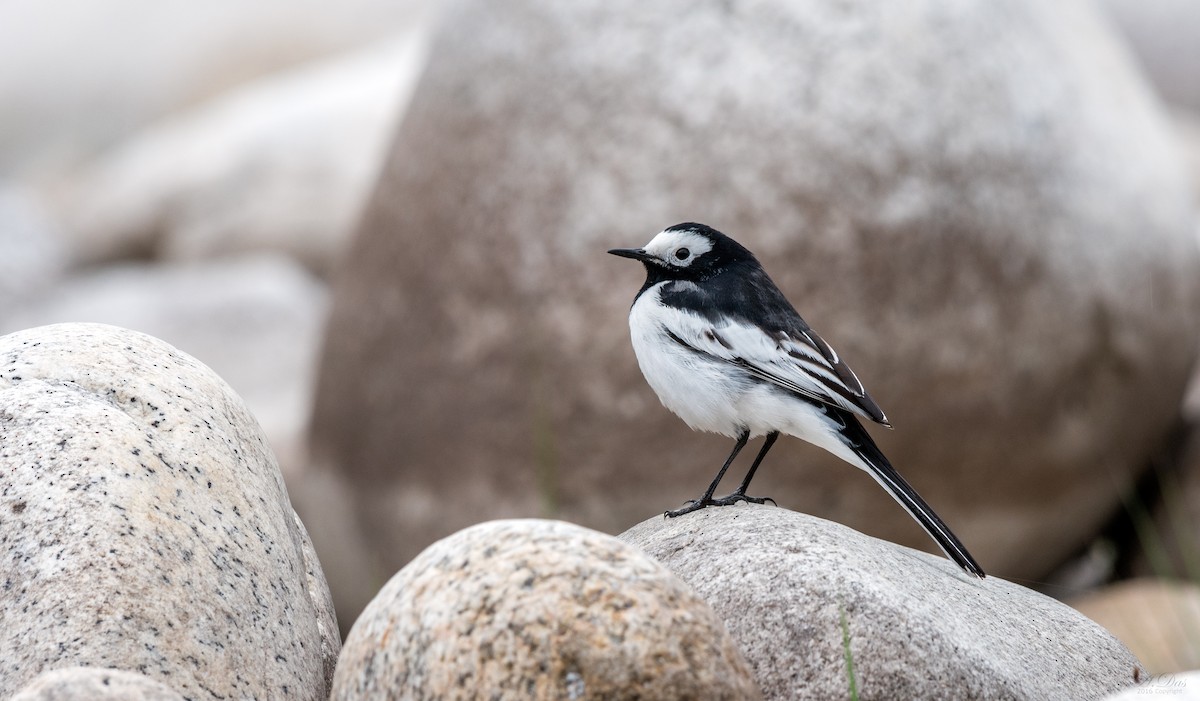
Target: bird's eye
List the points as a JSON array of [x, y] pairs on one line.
[[682, 253]]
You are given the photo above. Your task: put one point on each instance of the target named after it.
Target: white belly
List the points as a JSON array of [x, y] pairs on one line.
[[713, 395], [699, 390]]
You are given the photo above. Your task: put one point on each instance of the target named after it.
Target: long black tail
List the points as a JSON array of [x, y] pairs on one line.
[[864, 447]]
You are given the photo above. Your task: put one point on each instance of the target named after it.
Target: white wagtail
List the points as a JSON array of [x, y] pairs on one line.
[[724, 349]]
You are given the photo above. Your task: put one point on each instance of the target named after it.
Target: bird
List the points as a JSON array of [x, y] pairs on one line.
[[724, 350]]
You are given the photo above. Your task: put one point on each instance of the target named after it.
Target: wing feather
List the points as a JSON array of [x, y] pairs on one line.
[[800, 362]]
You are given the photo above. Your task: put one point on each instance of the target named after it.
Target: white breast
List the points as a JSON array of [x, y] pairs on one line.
[[714, 395], [702, 391]]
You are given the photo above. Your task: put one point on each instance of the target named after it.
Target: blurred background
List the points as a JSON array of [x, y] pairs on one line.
[[384, 224]]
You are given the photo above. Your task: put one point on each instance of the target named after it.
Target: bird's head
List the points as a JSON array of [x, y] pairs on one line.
[[687, 252]]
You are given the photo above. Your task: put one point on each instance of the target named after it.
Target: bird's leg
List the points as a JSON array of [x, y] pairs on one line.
[[697, 504], [740, 494]]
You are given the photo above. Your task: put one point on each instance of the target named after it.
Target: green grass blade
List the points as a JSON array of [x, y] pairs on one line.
[[849, 656]]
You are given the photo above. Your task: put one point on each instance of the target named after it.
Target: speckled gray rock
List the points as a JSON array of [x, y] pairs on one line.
[[919, 628], [977, 203], [531, 609], [328, 635], [95, 684], [144, 524]]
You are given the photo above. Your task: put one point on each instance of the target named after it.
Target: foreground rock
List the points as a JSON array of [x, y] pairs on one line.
[[146, 525], [978, 204], [95, 684], [791, 588], [538, 610]]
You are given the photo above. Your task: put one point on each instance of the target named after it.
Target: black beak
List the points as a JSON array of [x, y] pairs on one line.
[[634, 253]]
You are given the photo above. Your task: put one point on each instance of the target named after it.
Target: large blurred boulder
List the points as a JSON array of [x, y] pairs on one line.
[[76, 76], [282, 164], [976, 203], [1187, 133], [1165, 36]]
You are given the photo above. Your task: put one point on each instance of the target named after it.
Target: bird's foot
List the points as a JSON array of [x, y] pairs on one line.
[[692, 505], [697, 504], [739, 496]]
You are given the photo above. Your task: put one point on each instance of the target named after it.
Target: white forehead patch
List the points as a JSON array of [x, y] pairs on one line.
[[667, 244]]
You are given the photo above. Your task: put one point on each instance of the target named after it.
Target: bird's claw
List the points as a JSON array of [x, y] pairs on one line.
[[738, 496], [697, 504], [692, 505]]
